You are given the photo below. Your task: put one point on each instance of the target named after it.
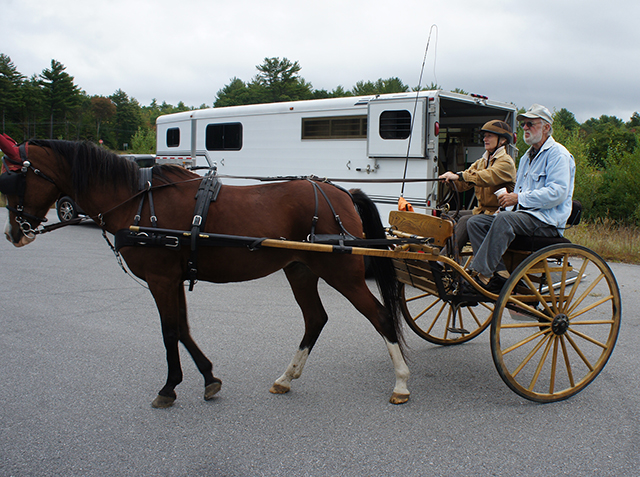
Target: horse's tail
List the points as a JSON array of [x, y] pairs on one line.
[[382, 268]]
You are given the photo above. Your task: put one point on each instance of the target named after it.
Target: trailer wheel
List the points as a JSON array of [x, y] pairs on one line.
[[550, 342], [440, 322]]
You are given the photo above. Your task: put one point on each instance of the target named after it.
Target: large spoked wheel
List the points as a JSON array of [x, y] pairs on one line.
[[440, 322], [555, 323]]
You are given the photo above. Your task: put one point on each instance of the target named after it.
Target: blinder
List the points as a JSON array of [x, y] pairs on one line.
[[12, 182]]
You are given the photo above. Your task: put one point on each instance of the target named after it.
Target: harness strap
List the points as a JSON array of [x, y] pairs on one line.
[[343, 231], [144, 186], [207, 193]]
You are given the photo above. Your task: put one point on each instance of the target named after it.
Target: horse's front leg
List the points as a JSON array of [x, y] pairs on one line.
[[211, 384], [166, 295]]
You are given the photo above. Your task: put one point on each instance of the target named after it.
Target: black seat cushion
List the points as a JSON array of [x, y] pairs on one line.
[[532, 244]]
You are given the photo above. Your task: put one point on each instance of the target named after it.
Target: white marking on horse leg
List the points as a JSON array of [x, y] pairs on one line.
[[400, 391], [293, 371]]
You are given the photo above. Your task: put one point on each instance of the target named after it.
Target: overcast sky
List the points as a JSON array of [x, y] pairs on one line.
[[583, 55]]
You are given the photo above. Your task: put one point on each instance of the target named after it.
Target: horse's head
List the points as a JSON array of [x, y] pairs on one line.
[[29, 193]]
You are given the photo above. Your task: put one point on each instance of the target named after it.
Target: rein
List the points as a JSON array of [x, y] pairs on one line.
[[323, 179]]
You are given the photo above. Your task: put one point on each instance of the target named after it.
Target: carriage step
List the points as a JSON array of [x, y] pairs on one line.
[[461, 331]]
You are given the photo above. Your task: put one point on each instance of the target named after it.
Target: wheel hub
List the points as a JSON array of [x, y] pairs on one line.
[[560, 324]]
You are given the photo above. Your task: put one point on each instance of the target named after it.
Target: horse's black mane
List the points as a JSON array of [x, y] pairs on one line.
[[92, 165]]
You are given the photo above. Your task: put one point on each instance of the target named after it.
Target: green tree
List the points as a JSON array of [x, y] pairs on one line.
[[233, 94], [128, 118], [566, 119], [10, 94], [634, 122], [607, 138], [33, 101], [381, 86], [278, 81], [61, 95], [143, 141], [103, 110]]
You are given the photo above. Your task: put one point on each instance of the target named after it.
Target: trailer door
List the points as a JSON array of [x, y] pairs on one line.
[[397, 126]]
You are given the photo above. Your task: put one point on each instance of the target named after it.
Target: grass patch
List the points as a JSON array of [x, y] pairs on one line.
[[618, 243]]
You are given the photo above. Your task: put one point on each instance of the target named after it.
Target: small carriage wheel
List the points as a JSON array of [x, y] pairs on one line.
[[555, 323], [438, 321]]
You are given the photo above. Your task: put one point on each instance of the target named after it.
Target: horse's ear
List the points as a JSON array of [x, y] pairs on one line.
[[9, 147]]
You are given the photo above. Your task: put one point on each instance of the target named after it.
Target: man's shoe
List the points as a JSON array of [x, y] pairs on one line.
[[495, 284]]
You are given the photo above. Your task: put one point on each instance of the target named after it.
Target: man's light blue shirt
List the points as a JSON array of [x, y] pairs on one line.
[[545, 184]]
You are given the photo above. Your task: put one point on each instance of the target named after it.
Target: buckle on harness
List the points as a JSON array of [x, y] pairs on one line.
[[197, 220], [175, 244]]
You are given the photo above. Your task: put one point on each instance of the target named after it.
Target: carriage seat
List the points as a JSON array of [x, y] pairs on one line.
[[533, 243]]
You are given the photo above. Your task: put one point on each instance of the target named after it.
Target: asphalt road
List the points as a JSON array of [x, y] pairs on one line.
[[82, 358]]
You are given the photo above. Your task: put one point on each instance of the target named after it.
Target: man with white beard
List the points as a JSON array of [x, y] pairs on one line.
[[541, 201]]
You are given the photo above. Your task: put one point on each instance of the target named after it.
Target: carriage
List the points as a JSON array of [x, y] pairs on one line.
[[553, 326]]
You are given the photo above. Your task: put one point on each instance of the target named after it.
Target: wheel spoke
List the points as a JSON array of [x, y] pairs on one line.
[[574, 345], [448, 324], [585, 294], [567, 362], [554, 363], [531, 354], [543, 358], [418, 297], [563, 278], [576, 284], [588, 338], [552, 295], [589, 308], [523, 342]]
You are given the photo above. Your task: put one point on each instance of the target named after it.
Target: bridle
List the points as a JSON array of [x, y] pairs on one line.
[[13, 181]]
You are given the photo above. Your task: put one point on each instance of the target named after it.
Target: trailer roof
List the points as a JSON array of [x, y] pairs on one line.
[[466, 102]]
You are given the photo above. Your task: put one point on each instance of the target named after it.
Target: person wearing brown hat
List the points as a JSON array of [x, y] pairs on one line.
[[541, 200], [493, 171]]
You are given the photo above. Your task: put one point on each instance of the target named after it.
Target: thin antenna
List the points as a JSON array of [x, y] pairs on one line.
[[415, 106]]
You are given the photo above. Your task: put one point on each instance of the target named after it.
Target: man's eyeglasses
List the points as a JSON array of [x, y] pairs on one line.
[[529, 124]]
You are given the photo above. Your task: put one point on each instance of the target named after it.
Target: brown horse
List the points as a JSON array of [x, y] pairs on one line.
[[106, 187]]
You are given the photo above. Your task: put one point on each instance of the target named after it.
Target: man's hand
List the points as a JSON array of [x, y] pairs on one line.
[[507, 200], [449, 176]]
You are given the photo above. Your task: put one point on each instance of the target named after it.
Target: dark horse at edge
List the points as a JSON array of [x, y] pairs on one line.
[[103, 185]]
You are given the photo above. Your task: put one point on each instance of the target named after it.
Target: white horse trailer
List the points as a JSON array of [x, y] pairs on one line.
[[363, 142]]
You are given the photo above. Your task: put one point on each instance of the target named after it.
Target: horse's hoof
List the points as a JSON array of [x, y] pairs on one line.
[[162, 402], [397, 398], [211, 389], [279, 389]]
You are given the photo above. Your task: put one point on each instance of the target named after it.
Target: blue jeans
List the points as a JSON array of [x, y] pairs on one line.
[[491, 235]]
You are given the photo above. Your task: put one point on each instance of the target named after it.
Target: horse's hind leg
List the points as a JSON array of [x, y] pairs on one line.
[[357, 292], [305, 289], [211, 384]]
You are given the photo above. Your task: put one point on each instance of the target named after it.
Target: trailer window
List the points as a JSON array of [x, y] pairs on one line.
[[395, 124], [224, 137], [342, 127], [173, 137]]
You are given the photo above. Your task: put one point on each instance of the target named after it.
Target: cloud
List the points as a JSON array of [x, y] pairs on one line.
[[576, 55]]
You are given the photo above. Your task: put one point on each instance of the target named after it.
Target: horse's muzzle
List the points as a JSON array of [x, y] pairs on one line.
[[18, 239]]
